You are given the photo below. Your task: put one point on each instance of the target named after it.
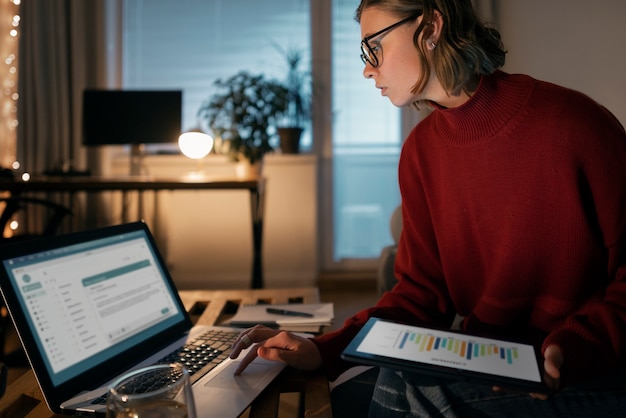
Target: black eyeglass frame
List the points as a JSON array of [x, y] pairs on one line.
[[369, 52]]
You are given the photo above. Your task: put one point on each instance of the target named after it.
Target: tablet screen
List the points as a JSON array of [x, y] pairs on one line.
[[451, 349]]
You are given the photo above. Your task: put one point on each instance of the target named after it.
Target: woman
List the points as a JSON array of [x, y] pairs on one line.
[[514, 217]]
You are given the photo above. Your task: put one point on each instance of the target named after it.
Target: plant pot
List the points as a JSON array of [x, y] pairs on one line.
[[290, 140]]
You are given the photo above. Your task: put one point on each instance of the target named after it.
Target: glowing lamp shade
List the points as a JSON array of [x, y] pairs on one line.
[[195, 144]]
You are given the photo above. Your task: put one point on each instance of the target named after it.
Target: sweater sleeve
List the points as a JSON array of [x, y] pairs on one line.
[[389, 307], [593, 338], [394, 305]]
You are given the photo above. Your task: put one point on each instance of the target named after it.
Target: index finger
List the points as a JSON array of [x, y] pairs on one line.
[[249, 358], [250, 336]]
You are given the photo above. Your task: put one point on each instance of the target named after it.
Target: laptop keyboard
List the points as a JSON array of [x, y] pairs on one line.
[[204, 353], [199, 356]]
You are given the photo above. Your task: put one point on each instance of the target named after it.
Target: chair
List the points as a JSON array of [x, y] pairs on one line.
[[52, 214], [385, 276], [49, 214]]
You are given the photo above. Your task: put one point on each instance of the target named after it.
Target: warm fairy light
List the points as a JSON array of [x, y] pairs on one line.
[[9, 42]]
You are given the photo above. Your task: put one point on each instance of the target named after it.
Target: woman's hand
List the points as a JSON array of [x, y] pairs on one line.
[[553, 360], [298, 352]]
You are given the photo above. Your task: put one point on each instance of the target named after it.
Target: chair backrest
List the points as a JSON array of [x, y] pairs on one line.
[[51, 214]]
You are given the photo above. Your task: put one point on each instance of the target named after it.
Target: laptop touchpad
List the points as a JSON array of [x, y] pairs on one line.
[[254, 375]]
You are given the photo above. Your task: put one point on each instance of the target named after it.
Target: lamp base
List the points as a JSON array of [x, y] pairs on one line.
[[137, 152]]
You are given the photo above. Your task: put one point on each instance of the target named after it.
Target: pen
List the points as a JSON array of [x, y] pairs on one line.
[[288, 313]]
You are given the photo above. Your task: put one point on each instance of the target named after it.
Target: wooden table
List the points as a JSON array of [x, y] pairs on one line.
[[23, 399], [140, 184]]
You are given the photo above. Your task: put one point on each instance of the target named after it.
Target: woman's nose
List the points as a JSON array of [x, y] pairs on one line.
[[369, 71]]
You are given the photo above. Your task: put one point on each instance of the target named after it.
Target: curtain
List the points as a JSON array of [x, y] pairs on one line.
[[61, 52]]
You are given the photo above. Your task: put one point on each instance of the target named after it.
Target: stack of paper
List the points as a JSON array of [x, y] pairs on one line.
[[303, 317]]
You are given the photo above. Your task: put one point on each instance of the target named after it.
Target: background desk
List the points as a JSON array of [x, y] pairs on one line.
[[141, 184], [23, 398]]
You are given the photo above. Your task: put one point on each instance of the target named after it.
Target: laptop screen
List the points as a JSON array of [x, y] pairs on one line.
[[89, 301]]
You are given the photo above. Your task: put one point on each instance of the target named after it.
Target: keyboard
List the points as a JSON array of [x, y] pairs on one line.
[[199, 356], [204, 353]]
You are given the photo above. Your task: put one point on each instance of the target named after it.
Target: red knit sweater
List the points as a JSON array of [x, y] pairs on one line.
[[514, 216]]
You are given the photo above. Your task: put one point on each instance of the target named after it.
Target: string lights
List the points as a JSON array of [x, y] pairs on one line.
[[9, 41]]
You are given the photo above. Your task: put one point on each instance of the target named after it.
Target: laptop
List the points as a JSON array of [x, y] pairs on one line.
[[90, 306]]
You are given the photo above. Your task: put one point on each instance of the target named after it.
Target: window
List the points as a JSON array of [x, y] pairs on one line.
[[366, 144], [188, 44]]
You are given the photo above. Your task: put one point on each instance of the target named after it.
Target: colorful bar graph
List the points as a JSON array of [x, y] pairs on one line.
[[465, 349], [404, 337]]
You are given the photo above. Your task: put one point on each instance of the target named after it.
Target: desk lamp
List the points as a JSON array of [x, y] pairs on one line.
[[196, 145]]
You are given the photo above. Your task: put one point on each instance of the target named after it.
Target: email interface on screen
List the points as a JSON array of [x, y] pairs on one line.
[[89, 302]]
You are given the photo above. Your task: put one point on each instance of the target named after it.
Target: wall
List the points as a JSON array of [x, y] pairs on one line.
[[575, 43]]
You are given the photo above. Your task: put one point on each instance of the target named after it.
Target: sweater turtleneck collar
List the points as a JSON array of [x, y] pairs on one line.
[[495, 103]]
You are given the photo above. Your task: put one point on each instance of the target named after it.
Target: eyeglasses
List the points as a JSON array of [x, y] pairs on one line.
[[368, 52]]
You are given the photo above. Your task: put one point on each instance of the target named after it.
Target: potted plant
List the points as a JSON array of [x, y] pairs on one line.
[[298, 111], [243, 114]]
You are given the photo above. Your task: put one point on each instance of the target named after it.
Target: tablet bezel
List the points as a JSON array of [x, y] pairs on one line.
[[445, 372]]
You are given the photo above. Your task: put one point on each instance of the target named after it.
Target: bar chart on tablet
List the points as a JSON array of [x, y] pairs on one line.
[[451, 349], [464, 348]]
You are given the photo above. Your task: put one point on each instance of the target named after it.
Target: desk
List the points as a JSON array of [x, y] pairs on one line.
[[23, 398], [140, 184]]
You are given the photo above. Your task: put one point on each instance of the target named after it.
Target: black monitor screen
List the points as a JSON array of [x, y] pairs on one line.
[[118, 117]]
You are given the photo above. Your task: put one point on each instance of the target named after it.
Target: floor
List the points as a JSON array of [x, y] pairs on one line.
[[347, 297]]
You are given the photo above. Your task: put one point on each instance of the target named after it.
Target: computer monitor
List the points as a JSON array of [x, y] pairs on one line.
[[131, 117], [122, 117]]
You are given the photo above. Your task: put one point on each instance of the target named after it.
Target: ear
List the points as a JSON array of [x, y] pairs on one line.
[[436, 27]]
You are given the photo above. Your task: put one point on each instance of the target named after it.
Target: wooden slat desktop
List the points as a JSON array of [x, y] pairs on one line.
[[23, 398], [140, 184]]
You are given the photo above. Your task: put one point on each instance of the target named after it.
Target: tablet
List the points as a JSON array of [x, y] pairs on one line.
[[448, 354]]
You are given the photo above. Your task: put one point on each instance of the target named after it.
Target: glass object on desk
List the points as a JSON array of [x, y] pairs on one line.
[[159, 391]]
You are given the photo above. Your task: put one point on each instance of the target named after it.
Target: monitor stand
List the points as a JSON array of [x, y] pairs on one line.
[[136, 159]]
